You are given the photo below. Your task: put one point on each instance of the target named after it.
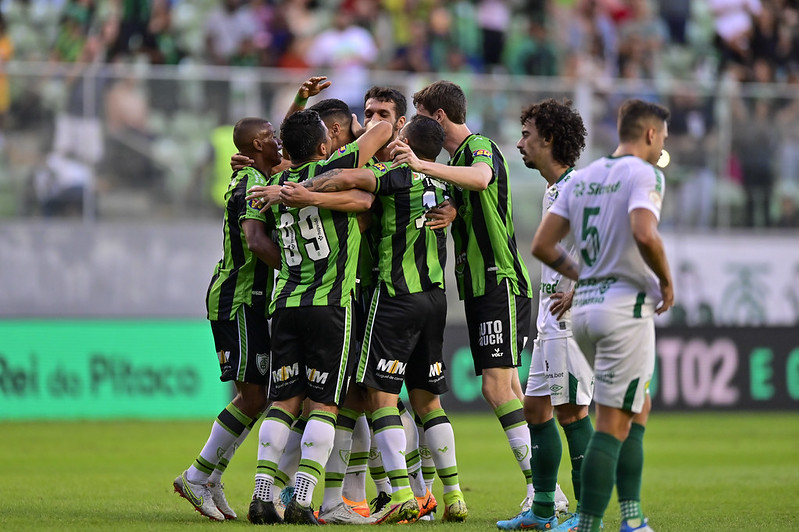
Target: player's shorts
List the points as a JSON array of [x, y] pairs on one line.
[[560, 370], [499, 327], [621, 347], [404, 341], [311, 349], [242, 346]]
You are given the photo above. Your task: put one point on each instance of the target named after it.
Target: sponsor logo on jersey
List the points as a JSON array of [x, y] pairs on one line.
[[391, 366], [656, 199], [342, 149], [596, 189], [435, 369], [254, 204], [481, 153], [549, 288], [579, 189], [314, 375], [490, 334], [381, 167], [286, 372]]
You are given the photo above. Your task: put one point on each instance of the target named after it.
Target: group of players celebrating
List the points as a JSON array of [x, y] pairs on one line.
[[354, 223]]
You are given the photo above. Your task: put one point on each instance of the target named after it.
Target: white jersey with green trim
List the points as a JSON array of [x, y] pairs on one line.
[[552, 281], [597, 201]]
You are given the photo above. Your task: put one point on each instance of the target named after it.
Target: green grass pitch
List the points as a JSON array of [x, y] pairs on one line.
[[727, 471]]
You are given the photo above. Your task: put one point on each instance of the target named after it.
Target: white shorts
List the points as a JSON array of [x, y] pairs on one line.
[[560, 370], [621, 349]]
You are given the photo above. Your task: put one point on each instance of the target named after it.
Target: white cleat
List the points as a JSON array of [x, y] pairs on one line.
[[218, 495], [561, 501], [199, 496], [343, 514]]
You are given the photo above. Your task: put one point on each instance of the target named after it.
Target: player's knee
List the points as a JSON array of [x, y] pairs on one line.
[[568, 414]]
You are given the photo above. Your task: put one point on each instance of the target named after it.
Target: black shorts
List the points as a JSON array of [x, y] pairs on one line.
[[404, 341], [242, 346], [499, 326], [311, 349]]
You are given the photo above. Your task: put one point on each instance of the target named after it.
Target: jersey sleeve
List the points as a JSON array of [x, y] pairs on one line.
[[391, 180], [344, 157], [251, 211], [561, 204], [646, 190], [482, 150]]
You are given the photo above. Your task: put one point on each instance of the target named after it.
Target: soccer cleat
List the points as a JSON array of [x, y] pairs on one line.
[[263, 513], [529, 521], [379, 502], [643, 526], [406, 511], [199, 496], [359, 507], [297, 514], [526, 504], [456, 511], [427, 504], [570, 524], [343, 514], [286, 494], [428, 517], [561, 501], [217, 490]]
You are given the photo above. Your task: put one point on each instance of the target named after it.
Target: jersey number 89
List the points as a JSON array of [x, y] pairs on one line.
[[312, 231]]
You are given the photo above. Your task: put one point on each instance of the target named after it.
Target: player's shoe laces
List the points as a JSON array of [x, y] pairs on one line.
[[456, 511], [343, 514], [427, 504], [361, 507], [628, 525], [217, 490], [298, 514], [529, 521], [561, 501], [199, 496], [406, 511], [379, 502], [263, 513]]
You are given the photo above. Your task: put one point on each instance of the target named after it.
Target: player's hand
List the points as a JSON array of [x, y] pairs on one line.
[[401, 153], [239, 161], [313, 86], [295, 195], [356, 127], [264, 196], [561, 302], [667, 293], [440, 216]]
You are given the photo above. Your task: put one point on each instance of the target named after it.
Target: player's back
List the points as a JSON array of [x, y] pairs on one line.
[[598, 201]]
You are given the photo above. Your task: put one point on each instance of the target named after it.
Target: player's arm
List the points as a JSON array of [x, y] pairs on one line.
[[475, 177], [370, 142], [644, 225], [546, 245], [296, 195], [259, 242], [339, 179], [310, 87]]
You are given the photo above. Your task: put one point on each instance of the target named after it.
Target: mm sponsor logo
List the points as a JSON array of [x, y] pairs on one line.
[[391, 366], [436, 369], [314, 375], [285, 373]]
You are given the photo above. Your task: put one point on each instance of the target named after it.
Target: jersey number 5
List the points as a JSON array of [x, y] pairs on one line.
[[312, 231], [590, 237]]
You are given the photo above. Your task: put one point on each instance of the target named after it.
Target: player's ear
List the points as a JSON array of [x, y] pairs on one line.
[[400, 123], [323, 149], [439, 115], [335, 130], [257, 144]]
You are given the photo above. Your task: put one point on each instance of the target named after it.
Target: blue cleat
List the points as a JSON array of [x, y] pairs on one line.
[[527, 520], [642, 525], [570, 524]]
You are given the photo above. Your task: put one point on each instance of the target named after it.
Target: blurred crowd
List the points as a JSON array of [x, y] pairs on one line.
[[710, 42]]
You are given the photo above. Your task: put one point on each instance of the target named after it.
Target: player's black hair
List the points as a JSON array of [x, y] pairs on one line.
[[560, 124], [245, 131], [425, 136], [443, 95], [388, 94], [636, 115], [333, 110], [302, 133]]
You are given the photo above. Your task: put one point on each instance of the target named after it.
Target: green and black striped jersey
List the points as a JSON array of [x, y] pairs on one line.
[[367, 256], [483, 233], [240, 277], [411, 256], [319, 246]]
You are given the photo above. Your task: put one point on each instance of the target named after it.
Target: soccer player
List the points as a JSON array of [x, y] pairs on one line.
[[237, 302], [410, 293], [612, 208], [553, 137], [311, 311], [492, 278]]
